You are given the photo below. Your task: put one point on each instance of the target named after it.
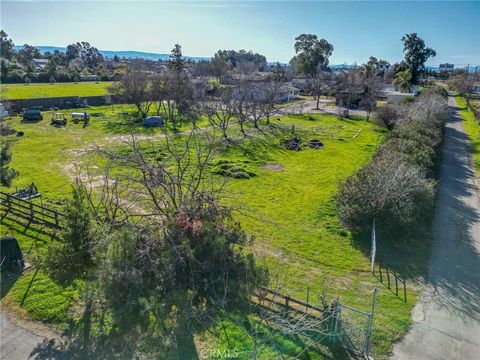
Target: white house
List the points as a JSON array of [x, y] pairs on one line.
[[288, 93], [260, 92], [395, 96], [39, 63]]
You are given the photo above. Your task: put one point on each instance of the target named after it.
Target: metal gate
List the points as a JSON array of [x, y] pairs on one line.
[[355, 328]]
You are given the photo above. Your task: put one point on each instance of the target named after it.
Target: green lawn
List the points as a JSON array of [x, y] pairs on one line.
[[472, 128], [288, 206], [31, 91]]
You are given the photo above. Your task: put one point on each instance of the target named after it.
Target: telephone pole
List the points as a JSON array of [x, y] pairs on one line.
[[471, 85]]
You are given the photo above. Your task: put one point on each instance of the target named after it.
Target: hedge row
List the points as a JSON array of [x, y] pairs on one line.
[[397, 187]]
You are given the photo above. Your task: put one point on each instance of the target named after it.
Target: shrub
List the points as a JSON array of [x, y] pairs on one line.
[[7, 174], [386, 115], [394, 192], [395, 188], [233, 169], [73, 254]]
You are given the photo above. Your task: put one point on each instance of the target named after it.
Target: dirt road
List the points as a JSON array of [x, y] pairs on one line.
[[447, 315]]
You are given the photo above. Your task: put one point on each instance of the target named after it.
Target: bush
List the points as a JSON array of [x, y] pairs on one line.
[[386, 115], [395, 193], [7, 174], [396, 188], [233, 169], [72, 256]]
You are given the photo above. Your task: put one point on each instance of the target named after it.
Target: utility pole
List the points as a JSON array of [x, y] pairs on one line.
[[471, 85]]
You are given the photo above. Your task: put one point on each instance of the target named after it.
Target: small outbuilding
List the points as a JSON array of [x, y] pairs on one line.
[[153, 121]]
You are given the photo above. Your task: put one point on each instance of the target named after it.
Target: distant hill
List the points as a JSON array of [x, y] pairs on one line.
[[121, 53]]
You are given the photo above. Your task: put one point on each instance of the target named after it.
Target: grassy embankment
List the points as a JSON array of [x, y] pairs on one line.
[[472, 128]]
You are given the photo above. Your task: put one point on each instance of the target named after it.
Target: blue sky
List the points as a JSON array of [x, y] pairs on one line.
[[356, 29]]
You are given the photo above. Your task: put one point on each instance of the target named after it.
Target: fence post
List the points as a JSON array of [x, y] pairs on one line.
[[388, 278], [380, 271], [308, 296], [396, 284], [336, 317], [370, 323], [405, 290]]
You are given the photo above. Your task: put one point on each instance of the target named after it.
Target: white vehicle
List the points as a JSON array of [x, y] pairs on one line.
[[3, 112]]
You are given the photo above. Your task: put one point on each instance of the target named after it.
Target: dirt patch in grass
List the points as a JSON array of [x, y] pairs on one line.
[[275, 167]]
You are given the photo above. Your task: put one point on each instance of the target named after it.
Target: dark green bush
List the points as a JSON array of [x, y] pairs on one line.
[[7, 174], [73, 255]]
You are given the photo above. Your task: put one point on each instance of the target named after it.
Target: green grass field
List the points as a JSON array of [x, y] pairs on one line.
[[472, 128], [32, 91], [288, 206]]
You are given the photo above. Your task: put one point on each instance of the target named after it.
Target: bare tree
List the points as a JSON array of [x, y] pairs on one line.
[[370, 87], [134, 87], [321, 85], [174, 97], [255, 102], [348, 89], [222, 111]]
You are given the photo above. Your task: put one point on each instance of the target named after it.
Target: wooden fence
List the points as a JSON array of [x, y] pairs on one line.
[[389, 279], [30, 210], [268, 298]]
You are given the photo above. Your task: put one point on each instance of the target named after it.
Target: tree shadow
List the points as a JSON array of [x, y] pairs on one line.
[[85, 338], [8, 279], [122, 124], [453, 270], [95, 335]]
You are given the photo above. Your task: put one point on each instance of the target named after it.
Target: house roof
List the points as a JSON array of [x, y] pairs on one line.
[[289, 88]]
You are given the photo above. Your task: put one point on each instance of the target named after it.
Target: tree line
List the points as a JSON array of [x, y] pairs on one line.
[[80, 59]]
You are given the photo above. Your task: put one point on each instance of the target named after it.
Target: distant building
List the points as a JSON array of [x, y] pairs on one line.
[[300, 83], [287, 93], [39, 63], [446, 67], [260, 92], [392, 95], [475, 89]]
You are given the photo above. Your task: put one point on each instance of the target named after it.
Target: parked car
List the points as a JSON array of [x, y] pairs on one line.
[[32, 114], [153, 121]]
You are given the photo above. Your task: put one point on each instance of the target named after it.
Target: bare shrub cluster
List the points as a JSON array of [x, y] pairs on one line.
[[397, 187]]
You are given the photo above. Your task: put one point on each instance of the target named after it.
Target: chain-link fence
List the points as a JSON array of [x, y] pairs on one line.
[[335, 321]]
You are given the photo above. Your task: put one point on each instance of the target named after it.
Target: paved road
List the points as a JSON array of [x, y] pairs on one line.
[[16, 343], [447, 315]]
